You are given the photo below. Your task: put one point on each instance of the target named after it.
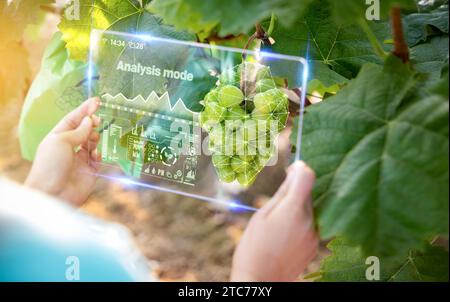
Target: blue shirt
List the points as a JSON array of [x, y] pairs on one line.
[[43, 239]]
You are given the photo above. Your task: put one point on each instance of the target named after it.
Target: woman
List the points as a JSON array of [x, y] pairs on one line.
[[43, 239]]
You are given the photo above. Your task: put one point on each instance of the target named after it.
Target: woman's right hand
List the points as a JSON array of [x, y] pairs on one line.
[[280, 239]]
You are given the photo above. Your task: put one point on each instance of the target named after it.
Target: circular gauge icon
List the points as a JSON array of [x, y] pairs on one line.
[[168, 156]]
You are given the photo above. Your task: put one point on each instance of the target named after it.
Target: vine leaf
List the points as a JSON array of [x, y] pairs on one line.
[[418, 27], [336, 51], [431, 57], [53, 93], [348, 11], [125, 16], [202, 16], [380, 150], [348, 263]]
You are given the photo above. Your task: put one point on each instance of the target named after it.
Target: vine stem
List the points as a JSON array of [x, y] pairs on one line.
[[401, 49], [378, 48], [271, 25], [260, 34]]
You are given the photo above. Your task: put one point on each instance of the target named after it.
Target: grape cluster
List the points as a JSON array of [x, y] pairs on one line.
[[242, 116]]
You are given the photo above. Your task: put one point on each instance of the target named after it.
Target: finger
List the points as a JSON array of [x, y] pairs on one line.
[[83, 155], [309, 211], [81, 134], [285, 186], [88, 158], [299, 191], [92, 142], [95, 159], [279, 195], [73, 119], [96, 119], [303, 181]]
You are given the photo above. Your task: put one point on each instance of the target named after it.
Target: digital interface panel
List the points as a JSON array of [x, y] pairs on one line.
[[189, 118]]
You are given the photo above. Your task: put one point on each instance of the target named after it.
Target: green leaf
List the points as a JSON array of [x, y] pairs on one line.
[[348, 11], [232, 16], [348, 263], [183, 15], [336, 52], [419, 26], [124, 16], [431, 57], [427, 6], [54, 92], [380, 151]]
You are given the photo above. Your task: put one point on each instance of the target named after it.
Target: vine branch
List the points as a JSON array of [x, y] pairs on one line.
[[260, 34], [272, 24], [378, 48], [401, 49]]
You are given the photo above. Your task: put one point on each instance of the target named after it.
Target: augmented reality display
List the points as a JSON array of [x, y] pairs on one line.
[[188, 118]]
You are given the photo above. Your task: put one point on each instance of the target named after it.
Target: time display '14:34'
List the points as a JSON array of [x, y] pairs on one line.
[[130, 44]]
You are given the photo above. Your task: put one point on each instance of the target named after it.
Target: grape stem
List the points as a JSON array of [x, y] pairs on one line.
[[372, 39], [401, 49], [272, 24], [260, 34]]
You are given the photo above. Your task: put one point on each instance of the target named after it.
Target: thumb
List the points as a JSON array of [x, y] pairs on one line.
[[81, 134], [302, 182], [298, 193]]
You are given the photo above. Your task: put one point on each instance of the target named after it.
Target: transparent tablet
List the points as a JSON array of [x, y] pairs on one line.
[[193, 119]]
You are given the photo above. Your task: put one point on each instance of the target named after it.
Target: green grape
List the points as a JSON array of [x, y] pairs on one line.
[[281, 119], [263, 73], [236, 113], [278, 95], [265, 85], [212, 96], [265, 102], [226, 174], [281, 99], [247, 158], [243, 122], [263, 122], [222, 140], [214, 112], [221, 161], [230, 96], [246, 138], [217, 135], [248, 177], [281, 112], [260, 116], [240, 166], [232, 125], [204, 120]]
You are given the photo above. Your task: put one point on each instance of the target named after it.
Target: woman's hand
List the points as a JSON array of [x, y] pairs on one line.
[[65, 162], [280, 239]]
